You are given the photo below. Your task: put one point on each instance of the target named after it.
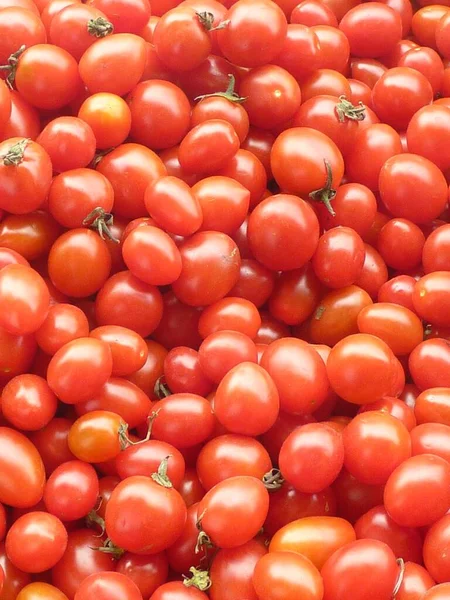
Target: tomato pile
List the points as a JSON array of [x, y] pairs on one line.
[[224, 300]]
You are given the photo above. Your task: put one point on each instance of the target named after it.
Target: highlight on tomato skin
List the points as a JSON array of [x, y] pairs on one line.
[[224, 300]]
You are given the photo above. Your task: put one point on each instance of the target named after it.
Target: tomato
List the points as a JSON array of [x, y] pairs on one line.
[[152, 256], [404, 180], [326, 82], [25, 175], [336, 315], [372, 30], [428, 364], [112, 586], [210, 268], [232, 570], [336, 118], [126, 16], [287, 574], [113, 64], [230, 455], [372, 147], [312, 12], [182, 554], [36, 542], [191, 489], [37, 590], [51, 443], [183, 420], [288, 218], [311, 440], [394, 407], [19, 26], [360, 369], [160, 114], [304, 161], [57, 80], [431, 438], [230, 313], [28, 403], [255, 34], [5, 105], [71, 491], [382, 319], [339, 257], [428, 62], [144, 459], [400, 243], [400, 93], [91, 356], [246, 400], [147, 572], [431, 406], [152, 515], [374, 273], [223, 202], [430, 297], [369, 437], [129, 350], [222, 106], [242, 501], [416, 581], [183, 372], [24, 299], [174, 206], [434, 255], [94, 437], [208, 146], [398, 290], [361, 568], [417, 492], [190, 30], [118, 304], [23, 121], [434, 554], [13, 579], [63, 323]]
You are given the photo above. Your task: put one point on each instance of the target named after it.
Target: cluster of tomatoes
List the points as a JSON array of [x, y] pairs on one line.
[[224, 300]]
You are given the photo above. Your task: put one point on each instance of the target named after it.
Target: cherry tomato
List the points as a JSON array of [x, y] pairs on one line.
[[428, 364], [416, 581], [430, 297], [339, 257], [94, 437], [28, 403], [112, 586]]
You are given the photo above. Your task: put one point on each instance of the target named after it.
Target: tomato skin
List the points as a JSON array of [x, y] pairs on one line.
[[14, 578], [312, 439], [242, 499], [24, 299], [177, 590], [128, 302], [232, 570], [287, 573], [431, 406], [36, 542], [102, 64], [230, 313], [360, 369], [316, 538], [89, 354], [405, 542], [339, 257], [246, 400], [30, 235], [405, 180], [183, 372], [217, 107], [173, 205], [152, 256], [370, 562], [416, 581], [19, 25], [434, 554], [79, 263], [94, 437], [183, 420], [208, 147], [255, 34], [430, 298], [417, 492], [382, 318], [23, 484], [301, 390], [160, 114], [372, 147], [39, 589], [372, 30], [288, 218], [112, 586], [297, 161], [400, 93], [231, 455], [145, 458], [147, 572], [63, 323], [28, 403], [25, 186], [428, 364], [211, 263], [151, 516], [435, 250]]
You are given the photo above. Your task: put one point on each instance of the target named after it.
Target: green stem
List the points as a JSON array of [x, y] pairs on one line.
[[326, 193], [15, 154], [229, 94], [346, 110], [11, 67], [100, 220], [200, 579], [99, 27]]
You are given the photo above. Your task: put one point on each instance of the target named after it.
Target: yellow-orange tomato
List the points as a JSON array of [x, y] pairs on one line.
[[317, 538], [40, 591], [94, 437]]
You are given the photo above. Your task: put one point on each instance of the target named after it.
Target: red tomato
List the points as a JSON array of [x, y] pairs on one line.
[[428, 364], [339, 257], [28, 403], [108, 586], [128, 16]]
